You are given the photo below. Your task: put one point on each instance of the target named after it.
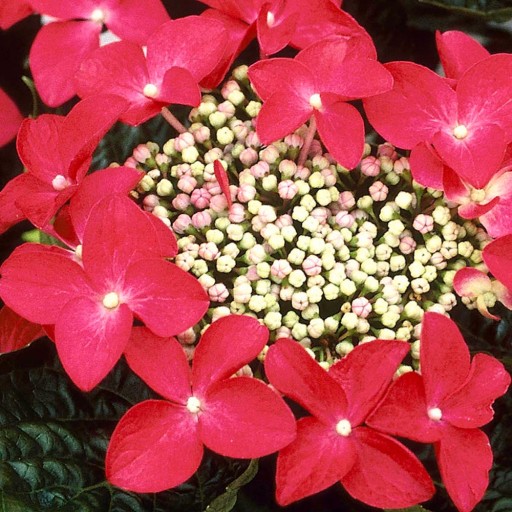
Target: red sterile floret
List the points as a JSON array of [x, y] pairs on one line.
[[179, 55], [469, 127], [10, 118], [316, 84], [498, 258], [56, 152], [238, 417], [12, 11], [61, 46], [446, 405], [333, 444], [92, 302], [16, 332]]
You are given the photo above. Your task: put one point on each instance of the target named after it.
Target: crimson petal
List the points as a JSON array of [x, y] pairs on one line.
[[498, 257], [154, 447], [10, 118], [16, 332]]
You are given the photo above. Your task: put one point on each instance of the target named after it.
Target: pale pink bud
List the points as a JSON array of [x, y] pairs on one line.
[[346, 200], [252, 139], [252, 273], [287, 189], [218, 292], [361, 307], [227, 108], [423, 223], [219, 203], [201, 219], [344, 219], [284, 220], [401, 165], [280, 268], [315, 149], [236, 213], [246, 193], [183, 140], [329, 177], [270, 154], [245, 371], [200, 198], [388, 150], [202, 134], [183, 170], [267, 214], [312, 265], [161, 159], [181, 223], [370, 166], [189, 351], [130, 162], [294, 141], [378, 191], [141, 153], [248, 156], [213, 187], [181, 201], [187, 337], [351, 266], [150, 202], [260, 170], [187, 184], [208, 251], [320, 214], [240, 129], [407, 245], [229, 87], [302, 173]]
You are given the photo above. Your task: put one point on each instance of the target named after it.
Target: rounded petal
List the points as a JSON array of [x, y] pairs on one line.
[[386, 474], [10, 119], [419, 104], [228, 344], [341, 129], [65, 10], [179, 86], [274, 38], [366, 373], [498, 258], [13, 11], [293, 372], [426, 166], [498, 220], [37, 282], [464, 457], [154, 447], [471, 282], [56, 54], [161, 363], [165, 297], [458, 52], [444, 357], [403, 411], [90, 339], [318, 458], [10, 214], [16, 332], [243, 418], [471, 405]]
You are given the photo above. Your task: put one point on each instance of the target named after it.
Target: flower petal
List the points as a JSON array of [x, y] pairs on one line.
[[403, 412], [222, 178], [471, 282], [56, 54], [10, 214], [341, 129], [90, 339], [464, 457], [38, 281], [498, 220], [161, 363], [317, 459], [385, 473], [423, 99], [293, 372], [273, 38], [366, 373], [471, 405], [10, 118], [444, 357], [179, 86], [165, 297], [151, 436], [228, 344], [244, 418], [458, 52], [16, 332], [13, 11], [426, 166], [498, 258]]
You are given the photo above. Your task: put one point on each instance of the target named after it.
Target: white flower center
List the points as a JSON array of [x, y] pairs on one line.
[[60, 183], [344, 428], [150, 91], [460, 132], [78, 252], [193, 405], [270, 19], [111, 300], [435, 414], [315, 101], [98, 15], [477, 195]]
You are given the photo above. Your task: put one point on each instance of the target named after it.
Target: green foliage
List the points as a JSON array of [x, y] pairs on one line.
[[53, 440], [496, 10]]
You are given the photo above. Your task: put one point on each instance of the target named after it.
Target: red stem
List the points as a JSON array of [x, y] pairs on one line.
[[307, 141], [172, 120]]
